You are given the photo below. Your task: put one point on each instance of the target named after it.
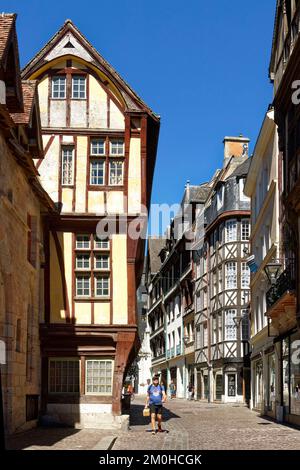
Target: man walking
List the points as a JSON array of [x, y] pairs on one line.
[[156, 396]]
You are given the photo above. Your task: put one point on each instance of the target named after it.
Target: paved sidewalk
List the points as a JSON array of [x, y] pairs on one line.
[[188, 426], [193, 425], [62, 439]]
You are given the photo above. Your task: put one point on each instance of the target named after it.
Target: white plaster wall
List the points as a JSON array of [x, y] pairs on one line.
[[49, 170], [117, 120], [60, 49], [78, 113], [97, 105], [58, 113]]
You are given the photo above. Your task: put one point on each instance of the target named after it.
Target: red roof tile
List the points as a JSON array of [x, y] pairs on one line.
[[29, 89], [7, 21]]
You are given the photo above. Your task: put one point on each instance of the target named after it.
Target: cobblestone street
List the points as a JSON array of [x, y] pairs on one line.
[[195, 425], [187, 425]]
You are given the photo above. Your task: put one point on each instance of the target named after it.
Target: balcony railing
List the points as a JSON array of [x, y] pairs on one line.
[[178, 349], [172, 352], [285, 282]]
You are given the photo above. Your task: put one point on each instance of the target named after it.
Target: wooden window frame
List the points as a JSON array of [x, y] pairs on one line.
[[102, 359], [62, 149], [59, 76], [107, 158], [64, 359], [79, 98], [92, 272]]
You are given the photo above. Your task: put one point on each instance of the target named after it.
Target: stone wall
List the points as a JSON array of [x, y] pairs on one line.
[[20, 302]]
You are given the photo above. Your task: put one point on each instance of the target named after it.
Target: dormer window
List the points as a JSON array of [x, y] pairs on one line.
[[78, 87], [59, 87]]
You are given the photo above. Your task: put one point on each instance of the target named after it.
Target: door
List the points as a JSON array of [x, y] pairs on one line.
[[219, 387], [231, 385]]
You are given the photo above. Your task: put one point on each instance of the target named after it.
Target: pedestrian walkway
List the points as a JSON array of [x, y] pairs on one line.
[[188, 425], [193, 425]]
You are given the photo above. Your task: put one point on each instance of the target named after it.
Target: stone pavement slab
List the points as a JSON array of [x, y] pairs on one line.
[[62, 439], [193, 425]]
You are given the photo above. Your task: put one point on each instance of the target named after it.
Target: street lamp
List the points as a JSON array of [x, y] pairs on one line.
[[272, 271]]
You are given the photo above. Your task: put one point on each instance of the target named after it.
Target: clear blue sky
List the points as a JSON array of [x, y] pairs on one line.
[[202, 65]]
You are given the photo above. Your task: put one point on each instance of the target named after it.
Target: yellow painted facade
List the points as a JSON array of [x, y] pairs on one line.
[[58, 314], [134, 176], [81, 173], [43, 100], [120, 290], [102, 313], [83, 313]]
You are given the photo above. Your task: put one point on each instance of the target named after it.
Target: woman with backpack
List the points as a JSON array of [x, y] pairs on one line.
[[156, 396]]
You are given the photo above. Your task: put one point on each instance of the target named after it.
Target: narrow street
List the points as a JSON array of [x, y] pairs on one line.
[[187, 425], [195, 425]]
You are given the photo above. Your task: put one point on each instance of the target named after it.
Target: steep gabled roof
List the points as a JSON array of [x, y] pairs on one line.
[[9, 61], [7, 21], [241, 170], [69, 31], [155, 245], [29, 90]]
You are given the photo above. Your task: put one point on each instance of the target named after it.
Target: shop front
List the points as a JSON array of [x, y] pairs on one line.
[[202, 384], [290, 378]]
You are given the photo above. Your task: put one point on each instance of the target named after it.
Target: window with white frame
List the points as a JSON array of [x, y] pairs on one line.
[[220, 327], [83, 286], [83, 261], [63, 375], [101, 244], [231, 231], [67, 165], [220, 198], [116, 147], [205, 335], [101, 286], [78, 87], [220, 279], [204, 298], [214, 283], [116, 173], [98, 376], [97, 147], [198, 338], [245, 330], [198, 301], [214, 329], [92, 256], [245, 276], [82, 242], [243, 196], [59, 87], [231, 275], [101, 262], [230, 325], [97, 174], [245, 230]]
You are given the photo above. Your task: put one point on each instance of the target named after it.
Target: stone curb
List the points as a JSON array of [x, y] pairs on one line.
[[106, 443]]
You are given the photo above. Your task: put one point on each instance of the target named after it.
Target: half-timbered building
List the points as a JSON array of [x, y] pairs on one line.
[[222, 281], [100, 143], [171, 298], [283, 298]]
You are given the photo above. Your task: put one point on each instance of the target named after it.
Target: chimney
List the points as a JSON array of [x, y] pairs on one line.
[[235, 147]]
